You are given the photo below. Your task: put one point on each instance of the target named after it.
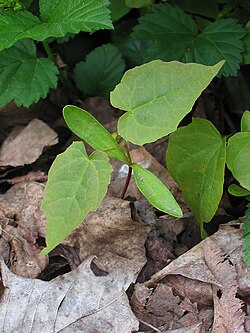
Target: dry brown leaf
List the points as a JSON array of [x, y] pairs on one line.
[[25, 145], [22, 222], [192, 264], [78, 301], [228, 315], [112, 236]]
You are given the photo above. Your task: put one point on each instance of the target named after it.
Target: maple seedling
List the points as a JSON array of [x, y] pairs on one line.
[[156, 97]]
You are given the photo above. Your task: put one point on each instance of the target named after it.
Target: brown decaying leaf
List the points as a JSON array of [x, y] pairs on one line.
[[112, 236], [78, 301], [228, 315], [22, 222], [206, 280], [25, 145]]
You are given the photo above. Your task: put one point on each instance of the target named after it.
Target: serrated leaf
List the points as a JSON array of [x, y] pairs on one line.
[[238, 158], [25, 78], [76, 185], [58, 17], [238, 191], [246, 54], [245, 122], [169, 24], [176, 38], [221, 40], [157, 96], [196, 160], [100, 72], [84, 125], [155, 191]]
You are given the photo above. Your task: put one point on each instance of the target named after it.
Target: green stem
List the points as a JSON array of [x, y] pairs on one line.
[[62, 75]]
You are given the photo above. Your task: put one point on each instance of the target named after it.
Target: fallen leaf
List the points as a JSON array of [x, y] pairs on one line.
[[78, 301], [22, 222], [228, 315], [25, 145], [207, 280], [112, 236]]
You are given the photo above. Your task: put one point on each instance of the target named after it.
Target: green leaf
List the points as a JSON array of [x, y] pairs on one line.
[[25, 78], [196, 160], [155, 191], [76, 185], [58, 17], [245, 122], [238, 158], [101, 71], [246, 54], [246, 228], [172, 30], [238, 191], [176, 38], [205, 8], [138, 3], [221, 40], [157, 96], [84, 125], [118, 9]]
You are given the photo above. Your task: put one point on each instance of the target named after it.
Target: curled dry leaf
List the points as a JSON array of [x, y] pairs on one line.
[[228, 315], [25, 145], [21, 223], [112, 236], [206, 280], [78, 301]]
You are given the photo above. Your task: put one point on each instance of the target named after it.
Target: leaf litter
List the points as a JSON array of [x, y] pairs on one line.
[[203, 290]]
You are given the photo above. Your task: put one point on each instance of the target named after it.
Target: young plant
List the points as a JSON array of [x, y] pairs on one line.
[[155, 97], [196, 158]]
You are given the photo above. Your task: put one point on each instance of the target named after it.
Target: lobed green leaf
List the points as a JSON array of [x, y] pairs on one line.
[[76, 186], [238, 158], [196, 160], [176, 37], [155, 191], [58, 17], [84, 125], [100, 72], [157, 96], [24, 78]]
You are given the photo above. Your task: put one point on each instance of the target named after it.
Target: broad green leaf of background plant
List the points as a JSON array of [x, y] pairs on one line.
[[58, 17], [245, 122], [155, 191], [76, 186], [238, 191], [118, 9], [84, 125], [157, 96], [196, 158], [221, 40], [238, 158], [138, 3], [25, 78], [100, 72], [246, 54], [176, 38], [172, 30]]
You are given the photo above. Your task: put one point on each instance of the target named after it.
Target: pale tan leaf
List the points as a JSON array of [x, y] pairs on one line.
[[78, 301], [25, 145], [112, 236]]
